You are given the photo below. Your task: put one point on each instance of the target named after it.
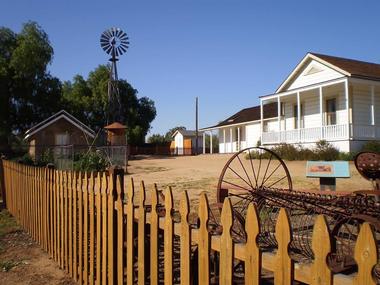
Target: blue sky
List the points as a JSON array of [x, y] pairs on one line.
[[225, 52]]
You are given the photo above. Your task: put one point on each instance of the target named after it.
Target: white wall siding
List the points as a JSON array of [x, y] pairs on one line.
[[341, 113], [252, 132], [318, 77], [311, 112], [361, 108], [377, 108], [289, 118]]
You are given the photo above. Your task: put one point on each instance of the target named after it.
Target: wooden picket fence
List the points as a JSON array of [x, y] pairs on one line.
[[91, 226]]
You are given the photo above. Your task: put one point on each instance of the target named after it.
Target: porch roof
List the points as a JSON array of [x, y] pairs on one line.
[[248, 115]]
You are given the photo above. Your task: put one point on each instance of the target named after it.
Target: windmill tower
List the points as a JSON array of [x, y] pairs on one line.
[[114, 42]]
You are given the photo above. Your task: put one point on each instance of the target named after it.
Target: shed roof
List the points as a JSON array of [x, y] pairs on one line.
[[249, 115], [115, 126], [186, 133], [57, 116]]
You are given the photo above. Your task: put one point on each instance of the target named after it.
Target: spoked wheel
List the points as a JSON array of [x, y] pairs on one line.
[[242, 178]]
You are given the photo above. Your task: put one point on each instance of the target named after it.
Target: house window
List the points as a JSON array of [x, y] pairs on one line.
[[62, 139], [295, 115], [331, 111]]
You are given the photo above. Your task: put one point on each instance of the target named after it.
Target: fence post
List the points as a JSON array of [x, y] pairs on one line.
[[253, 254], [365, 254], [130, 233], [226, 244], [154, 221], [168, 237], [141, 274], [283, 274], [2, 184], [112, 222], [185, 248], [204, 241], [321, 273]]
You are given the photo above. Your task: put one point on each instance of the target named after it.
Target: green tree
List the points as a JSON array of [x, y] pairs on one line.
[[88, 99], [28, 93], [169, 133], [157, 138]]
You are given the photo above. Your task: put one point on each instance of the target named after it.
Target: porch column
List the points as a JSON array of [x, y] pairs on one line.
[[347, 107], [261, 121], [224, 141], [231, 140], [299, 116], [210, 142], [321, 110], [279, 118], [372, 105], [204, 142], [238, 139]]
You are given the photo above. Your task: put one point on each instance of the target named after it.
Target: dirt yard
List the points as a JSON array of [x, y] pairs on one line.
[[22, 261], [201, 173]]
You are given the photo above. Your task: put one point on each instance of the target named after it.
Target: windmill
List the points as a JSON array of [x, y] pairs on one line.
[[114, 42]]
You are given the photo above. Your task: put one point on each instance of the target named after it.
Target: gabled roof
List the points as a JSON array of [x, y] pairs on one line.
[[345, 66], [57, 116], [186, 133], [249, 115]]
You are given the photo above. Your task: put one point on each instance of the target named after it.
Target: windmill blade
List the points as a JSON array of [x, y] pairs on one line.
[[108, 34], [109, 49], [123, 48], [119, 33]]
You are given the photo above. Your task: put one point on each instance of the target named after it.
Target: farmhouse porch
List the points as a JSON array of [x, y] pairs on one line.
[[339, 110]]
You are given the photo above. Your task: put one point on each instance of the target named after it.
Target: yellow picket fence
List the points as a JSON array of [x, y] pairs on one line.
[[92, 227]]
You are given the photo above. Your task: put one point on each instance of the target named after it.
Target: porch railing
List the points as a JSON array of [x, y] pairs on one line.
[[331, 132]]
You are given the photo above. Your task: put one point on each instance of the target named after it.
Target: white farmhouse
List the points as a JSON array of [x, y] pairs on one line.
[[324, 97]]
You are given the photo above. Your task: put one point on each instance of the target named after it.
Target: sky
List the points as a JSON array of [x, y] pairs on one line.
[[226, 52]]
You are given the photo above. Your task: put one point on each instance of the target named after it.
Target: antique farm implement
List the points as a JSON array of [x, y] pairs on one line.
[[258, 175]]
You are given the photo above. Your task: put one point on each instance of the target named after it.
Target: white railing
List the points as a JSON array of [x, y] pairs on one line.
[[365, 131], [329, 133]]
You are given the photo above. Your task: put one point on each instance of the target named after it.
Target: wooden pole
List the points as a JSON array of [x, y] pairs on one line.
[[196, 125]]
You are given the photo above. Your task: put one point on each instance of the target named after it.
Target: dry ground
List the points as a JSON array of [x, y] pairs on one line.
[[22, 261], [200, 173]]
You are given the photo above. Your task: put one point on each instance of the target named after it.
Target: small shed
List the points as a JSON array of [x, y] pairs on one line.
[[60, 130], [184, 142], [116, 134]]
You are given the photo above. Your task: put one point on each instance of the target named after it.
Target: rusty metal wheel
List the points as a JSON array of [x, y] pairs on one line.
[[247, 172]]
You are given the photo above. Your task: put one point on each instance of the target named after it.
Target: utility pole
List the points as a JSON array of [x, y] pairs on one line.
[[196, 125]]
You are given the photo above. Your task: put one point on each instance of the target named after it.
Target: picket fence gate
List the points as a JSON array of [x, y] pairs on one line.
[[91, 226]]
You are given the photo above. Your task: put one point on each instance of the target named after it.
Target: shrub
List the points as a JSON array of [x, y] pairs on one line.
[[325, 151], [373, 146], [25, 159], [348, 156], [91, 161], [46, 158]]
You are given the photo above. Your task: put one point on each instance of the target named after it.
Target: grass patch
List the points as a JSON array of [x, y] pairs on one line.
[[7, 265], [7, 223]]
